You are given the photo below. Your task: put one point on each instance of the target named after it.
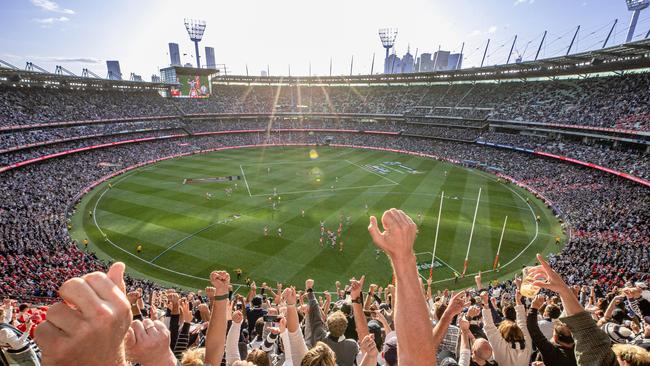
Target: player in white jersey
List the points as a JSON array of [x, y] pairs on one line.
[[280, 232]]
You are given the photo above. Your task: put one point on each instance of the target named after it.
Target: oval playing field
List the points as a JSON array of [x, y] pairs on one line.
[[198, 213]]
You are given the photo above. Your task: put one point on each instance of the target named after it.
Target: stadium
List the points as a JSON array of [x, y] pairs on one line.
[[203, 182]]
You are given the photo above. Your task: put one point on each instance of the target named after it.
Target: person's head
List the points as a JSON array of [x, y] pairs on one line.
[[389, 351], [439, 309], [23, 307], [193, 357], [319, 355], [511, 332], [259, 327], [552, 311], [509, 312], [481, 349], [337, 323], [562, 335], [630, 355], [258, 357], [374, 327], [257, 301], [618, 316]]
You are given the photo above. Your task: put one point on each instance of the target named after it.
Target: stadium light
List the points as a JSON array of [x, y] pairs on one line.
[[635, 6], [195, 29], [387, 37]]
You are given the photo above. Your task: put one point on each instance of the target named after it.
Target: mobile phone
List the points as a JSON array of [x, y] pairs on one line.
[[271, 318], [240, 306]]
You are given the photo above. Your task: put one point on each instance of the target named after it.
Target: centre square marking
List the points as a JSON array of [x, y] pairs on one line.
[[314, 173]]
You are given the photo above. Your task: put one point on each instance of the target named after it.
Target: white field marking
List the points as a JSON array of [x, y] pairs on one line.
[[441, 261], [224, 221], [325, 190], [295, 162], [243, 285], [245, 180], [391, 168], [534, 219], [135, 256], [370, 171]]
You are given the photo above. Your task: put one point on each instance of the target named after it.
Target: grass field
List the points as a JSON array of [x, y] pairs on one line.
[[185, 235]]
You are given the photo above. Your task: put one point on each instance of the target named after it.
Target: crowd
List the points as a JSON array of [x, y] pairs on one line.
[[536, 319], [33, 105], [23, 138], [631, 161], [616, 102], [603, 268]]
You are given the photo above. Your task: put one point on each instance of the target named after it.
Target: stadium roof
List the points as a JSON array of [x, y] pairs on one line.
[[26, 77], [629, 56]]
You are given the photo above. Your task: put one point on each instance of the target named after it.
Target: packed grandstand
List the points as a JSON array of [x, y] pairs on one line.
[[580, 143]]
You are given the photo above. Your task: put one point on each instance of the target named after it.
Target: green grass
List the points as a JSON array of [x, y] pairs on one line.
[[184, 232]]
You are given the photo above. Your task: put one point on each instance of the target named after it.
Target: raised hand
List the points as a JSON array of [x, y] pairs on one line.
[[94, 316], [210, 292], [463, 324], [282, 325], [457, 303], [186, 313], [237, 317], [538, 301], [632, 292], [220, 281], [485, 298], [147, 343], [368, 346], [356, 286], [398, 236], [309, 284], [478, 281], [289, 296], [553, 280]]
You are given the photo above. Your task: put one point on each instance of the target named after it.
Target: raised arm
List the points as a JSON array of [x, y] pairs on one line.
[[455, 307], [232, 340], [215, 340], [592, 346], [356, 294], [412, 325]]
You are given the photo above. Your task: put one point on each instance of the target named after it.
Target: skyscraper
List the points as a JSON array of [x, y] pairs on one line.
[[426, 65], [455, 61], [441, 60], [393, 64], [209, 58], [114, 72], [407, 63], [174, 55]]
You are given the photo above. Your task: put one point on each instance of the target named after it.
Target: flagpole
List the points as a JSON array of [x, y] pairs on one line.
[[471, 233], [435, 240], [503, 230]]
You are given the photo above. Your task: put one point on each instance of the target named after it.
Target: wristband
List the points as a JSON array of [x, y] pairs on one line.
[[220, 297], [358, 300]]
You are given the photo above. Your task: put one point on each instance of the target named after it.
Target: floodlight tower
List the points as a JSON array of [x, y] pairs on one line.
[[195, 29], [387, 36], [635, 6]]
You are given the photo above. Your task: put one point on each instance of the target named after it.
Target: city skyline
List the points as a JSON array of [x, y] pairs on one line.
[[254, 34]]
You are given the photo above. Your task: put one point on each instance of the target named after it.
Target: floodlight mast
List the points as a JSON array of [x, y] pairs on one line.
[[195, 29], [387, 37], [635, 6]]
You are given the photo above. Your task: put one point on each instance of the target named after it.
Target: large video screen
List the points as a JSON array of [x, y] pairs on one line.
[[191, 86]]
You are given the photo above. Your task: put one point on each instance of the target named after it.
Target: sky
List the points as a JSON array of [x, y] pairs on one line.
[[292, 34]]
